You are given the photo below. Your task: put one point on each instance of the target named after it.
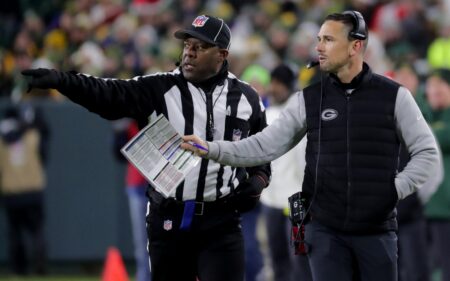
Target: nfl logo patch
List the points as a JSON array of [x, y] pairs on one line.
[[167, 225], [236, 134], [200, 21]]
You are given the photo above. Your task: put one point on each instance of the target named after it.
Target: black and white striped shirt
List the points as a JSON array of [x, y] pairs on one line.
[[226, 109]]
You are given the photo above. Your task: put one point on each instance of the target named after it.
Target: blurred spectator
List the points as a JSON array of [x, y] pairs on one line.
[[250, 45], [23, 139], [376, 56], [387, 22], [438, 51], [301, 47], [287, 178], [105, 11], [413, 255], [120, 44], [10, 18], [407, 74], [253, 256], [146, 42], [258, 77], [438, 15], [87, 56], [188, 9], [279, 39], [149, 7], [437, 210], [417, 33], [136, 185], [34, 25]]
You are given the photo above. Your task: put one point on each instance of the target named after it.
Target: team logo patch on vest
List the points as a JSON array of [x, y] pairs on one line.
[[329, 114], [167, 225], [200, 21], [236, 134]]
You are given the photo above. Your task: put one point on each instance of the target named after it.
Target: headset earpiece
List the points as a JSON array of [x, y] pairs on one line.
[[359, 25]]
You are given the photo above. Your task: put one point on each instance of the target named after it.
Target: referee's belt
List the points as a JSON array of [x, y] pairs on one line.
[[171, 205]]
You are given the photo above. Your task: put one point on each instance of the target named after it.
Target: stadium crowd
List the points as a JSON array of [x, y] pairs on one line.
[[125, 38]]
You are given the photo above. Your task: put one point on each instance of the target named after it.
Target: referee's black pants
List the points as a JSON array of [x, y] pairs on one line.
[[211, 250]]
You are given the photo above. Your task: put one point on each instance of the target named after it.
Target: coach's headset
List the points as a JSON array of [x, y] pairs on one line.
[[359, 25]]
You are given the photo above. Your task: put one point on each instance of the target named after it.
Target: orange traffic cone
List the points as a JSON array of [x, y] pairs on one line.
[[114, 268]]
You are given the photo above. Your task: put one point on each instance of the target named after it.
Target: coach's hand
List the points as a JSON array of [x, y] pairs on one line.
[[195, 144], [42, 78]]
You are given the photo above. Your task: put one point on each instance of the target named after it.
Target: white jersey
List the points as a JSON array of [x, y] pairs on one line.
[[287, 171]]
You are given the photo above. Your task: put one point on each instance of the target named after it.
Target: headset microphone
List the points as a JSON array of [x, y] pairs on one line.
[[178, 63], [312, 64]]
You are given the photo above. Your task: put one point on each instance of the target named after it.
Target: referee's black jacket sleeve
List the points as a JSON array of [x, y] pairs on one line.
[[113, 98]]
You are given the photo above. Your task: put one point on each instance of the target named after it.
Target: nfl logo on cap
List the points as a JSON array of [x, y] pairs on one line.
[[200, 21]]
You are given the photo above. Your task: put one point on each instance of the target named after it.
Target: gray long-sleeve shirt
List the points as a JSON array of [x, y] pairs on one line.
[[290, 128]]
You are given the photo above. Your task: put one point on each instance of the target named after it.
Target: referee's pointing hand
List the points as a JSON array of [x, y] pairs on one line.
[[42, 78]]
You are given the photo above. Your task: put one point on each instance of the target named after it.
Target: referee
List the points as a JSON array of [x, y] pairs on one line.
[[195, 233]]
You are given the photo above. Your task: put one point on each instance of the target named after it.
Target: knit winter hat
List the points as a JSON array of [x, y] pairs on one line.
[[442, 73], [285, 75], [257, 73]]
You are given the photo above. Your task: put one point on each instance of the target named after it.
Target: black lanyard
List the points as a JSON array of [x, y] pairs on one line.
[[209, 116], [210, 129]]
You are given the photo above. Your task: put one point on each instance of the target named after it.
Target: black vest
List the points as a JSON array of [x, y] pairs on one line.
[[358, 159]]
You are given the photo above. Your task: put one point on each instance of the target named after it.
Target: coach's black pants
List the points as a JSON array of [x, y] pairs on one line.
[[345, 257], [212, 250]]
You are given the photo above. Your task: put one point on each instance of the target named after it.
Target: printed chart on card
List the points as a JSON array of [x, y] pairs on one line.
[[155, 151]]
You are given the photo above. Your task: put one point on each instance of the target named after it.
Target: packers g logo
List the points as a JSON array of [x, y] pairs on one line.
[[329, 114]]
